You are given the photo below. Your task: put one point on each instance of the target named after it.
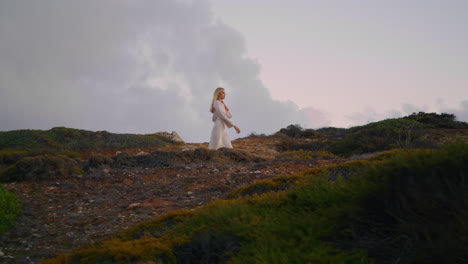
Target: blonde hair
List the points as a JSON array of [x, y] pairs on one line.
[[215, 97]]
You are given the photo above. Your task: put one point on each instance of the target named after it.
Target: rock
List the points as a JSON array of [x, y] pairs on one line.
[[188, 148], [141, 152], [133, 206], [172, 136]]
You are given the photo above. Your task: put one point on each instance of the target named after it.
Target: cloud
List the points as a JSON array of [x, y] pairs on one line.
[[316, 118], [461, 113], [370, 115], [128, 66], [409, 109]]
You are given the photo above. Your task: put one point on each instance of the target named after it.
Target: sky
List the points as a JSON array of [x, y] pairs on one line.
[[144, 66]]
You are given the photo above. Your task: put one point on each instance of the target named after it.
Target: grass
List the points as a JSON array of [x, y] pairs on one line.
[[61, 138], [9, 209], [35, 154], [303, 154], [406, 132], [419, 202], [411, 207]]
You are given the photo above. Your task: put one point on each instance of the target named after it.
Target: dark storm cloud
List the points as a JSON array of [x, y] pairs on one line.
[[128, 66]]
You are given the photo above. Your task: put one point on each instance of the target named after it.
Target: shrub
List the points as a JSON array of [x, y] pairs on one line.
[[333, 132], [443, 120], [9, 209], [96, 161], [415, 209], [308, 144], [296, 131], [40, 167], [379, 136], [8, 157]]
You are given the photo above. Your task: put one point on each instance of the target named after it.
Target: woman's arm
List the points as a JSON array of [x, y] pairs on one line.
[[222, 114], [228, 112]]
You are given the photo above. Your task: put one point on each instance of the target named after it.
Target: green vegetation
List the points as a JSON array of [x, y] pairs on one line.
[[408, 206], [296, 131], [379, 136], [61, 138], [434, 120], [55, 153], [413, 208], [406, 132], [9, 209], [302, 154], [41, 167]]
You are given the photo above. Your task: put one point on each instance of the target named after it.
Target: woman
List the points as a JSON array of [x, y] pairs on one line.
[[221, 116]]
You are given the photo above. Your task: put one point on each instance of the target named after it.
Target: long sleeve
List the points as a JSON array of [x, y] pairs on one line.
[[220, 112]]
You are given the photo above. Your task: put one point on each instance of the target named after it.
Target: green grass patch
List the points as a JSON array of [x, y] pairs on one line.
[[9, 209], [304, 154]]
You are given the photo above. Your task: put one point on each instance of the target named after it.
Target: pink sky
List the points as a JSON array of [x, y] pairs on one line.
[[375, 59]]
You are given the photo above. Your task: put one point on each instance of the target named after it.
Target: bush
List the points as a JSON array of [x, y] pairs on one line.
[[8, 157], [333, 132], [435, 120], [41, 167], [290, 144], [415, 209], [9, 209], [379, 136], [296, 131], [96, 161]]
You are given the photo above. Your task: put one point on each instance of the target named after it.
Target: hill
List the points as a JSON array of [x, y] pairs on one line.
[[62, 138], [335, 195]]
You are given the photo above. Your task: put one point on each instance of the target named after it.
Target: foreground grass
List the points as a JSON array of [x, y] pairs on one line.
[[400, 207], [9, 209]]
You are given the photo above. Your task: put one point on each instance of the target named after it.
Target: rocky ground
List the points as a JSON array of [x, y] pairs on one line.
[[62, 214]]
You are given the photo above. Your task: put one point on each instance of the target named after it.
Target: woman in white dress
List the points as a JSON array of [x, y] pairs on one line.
[[221, 119]]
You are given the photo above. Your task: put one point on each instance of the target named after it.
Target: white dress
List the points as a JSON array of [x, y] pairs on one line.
[[219, 137]]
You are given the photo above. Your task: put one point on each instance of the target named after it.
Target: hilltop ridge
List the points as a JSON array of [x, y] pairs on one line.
[[74, 194]]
